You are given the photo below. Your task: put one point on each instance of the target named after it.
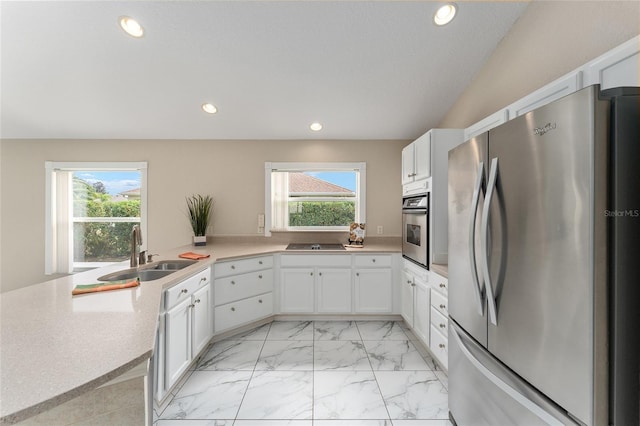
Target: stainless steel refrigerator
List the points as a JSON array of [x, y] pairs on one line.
[[544, 276]]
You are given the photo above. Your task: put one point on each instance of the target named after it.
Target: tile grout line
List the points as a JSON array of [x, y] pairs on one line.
[[376, 379], [252, 374]]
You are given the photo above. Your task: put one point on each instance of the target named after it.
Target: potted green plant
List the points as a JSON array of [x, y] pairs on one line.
[[199, 207]]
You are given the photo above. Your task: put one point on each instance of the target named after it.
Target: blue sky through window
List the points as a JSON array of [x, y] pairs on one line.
[[114, 182], [343, 179]]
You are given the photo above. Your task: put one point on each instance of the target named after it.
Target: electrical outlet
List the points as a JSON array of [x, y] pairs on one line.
[[380, 229]]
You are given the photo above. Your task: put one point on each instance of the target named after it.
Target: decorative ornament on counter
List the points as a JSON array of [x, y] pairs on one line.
[[199, 207], [356, 233]]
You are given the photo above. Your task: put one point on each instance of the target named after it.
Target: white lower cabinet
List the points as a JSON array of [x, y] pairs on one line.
[[243, 291], [439, 318], [201, 319], [415, 299], [333, 290], [243, 311], [178, 335], [297, 290], [322, 290], [185, 328], [421, 312], [407, 285], [373, 290], [315, 283]]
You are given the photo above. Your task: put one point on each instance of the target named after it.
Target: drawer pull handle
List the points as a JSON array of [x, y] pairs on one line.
[[260, 262], [192, 305], [357, 274], [373, 260], [409, 282], [184, 291], [413, 284], [197, 301], [203, 279], [260, 276], [233, 309], [320, 273], [442, 306], [233, 283], [311, 273], [259, 300], [443, 326], [442, 285], [233, 266], [441, 346]]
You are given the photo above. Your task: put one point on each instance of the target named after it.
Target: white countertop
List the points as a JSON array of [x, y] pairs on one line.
[[55, 347]]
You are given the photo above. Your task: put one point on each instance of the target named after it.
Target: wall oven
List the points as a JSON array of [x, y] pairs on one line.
[[415, 229]]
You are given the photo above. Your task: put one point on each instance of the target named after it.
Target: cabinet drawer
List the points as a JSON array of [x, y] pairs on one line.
[[243, 311], [373, 260], [439, 347], [439, 302], [312, 260], [417, 187], [439, 321], [242, 266], [183, 290], [241, 286], [440, 283]]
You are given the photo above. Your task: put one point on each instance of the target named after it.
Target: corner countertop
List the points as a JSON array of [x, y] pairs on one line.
[[440, 269], [56, 347]]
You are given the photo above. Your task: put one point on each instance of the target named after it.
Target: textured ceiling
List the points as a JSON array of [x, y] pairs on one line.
[[365, 70]]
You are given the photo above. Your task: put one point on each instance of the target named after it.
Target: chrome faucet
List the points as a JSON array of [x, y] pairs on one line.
[[136, 242]]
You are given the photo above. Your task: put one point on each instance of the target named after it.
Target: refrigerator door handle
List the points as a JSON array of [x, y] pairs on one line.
[[484, 232], [477, 290], [501, 384]]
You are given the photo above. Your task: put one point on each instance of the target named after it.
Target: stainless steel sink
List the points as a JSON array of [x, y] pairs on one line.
[[298, 246], [149, 272], [169, 265]]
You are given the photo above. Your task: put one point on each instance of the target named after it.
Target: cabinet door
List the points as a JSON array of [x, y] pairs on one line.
[[408, 168], [178, 341], [201, 319], [421, 312], [296, 289], [406, 297], [334, 290], [373, 290], [422, 157]]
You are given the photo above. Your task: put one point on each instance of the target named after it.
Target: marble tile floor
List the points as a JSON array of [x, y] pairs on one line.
[[313, 373]]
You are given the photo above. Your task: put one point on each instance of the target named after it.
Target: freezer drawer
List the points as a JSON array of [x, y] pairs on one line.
[[484, 392]]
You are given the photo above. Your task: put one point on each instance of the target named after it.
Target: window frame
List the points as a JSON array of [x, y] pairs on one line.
[[360, 199], [56, 243]]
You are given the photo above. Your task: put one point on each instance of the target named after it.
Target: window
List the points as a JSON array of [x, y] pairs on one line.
[[91, 208], [314, 196]]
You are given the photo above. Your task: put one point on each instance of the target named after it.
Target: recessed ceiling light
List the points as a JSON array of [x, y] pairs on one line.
[[445, 14], [209, 108], [131, 26], [316, 127]]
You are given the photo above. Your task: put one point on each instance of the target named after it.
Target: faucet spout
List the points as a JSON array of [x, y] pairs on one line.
[[136, 242]]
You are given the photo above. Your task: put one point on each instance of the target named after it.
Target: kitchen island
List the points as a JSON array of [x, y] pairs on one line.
[[56, 347]]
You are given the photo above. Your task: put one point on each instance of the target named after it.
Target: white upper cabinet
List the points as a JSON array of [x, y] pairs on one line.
[[416, 162], [618, 67]]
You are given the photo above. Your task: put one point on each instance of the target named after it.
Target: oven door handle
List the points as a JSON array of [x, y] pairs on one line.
[[415, 211]]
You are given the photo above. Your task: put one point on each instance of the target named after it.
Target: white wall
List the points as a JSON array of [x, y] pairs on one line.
[[549, 40], [232, 172]]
